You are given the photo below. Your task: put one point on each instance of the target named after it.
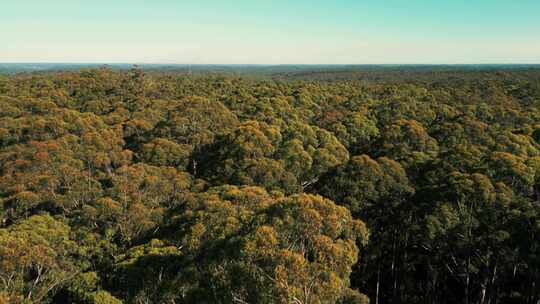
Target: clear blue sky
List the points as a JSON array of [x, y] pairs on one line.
[[270, 31]]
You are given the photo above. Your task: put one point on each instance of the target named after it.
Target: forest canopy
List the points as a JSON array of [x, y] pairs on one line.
[[305, 186]]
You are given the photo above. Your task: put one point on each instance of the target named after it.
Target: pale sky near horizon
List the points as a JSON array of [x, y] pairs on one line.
[[270, 31]]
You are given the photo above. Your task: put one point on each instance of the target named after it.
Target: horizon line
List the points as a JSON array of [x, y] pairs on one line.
[[263, 64]]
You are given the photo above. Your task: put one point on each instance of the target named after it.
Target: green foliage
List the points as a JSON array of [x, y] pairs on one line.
[[36, 258], [398, 185]]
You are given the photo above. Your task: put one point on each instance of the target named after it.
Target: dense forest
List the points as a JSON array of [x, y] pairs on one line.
[[389, 185]]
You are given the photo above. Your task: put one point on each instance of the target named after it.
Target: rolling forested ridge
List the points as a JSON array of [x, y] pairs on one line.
[[304, 186]]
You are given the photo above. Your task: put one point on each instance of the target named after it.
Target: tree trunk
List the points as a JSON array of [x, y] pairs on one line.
[[378, 282]]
